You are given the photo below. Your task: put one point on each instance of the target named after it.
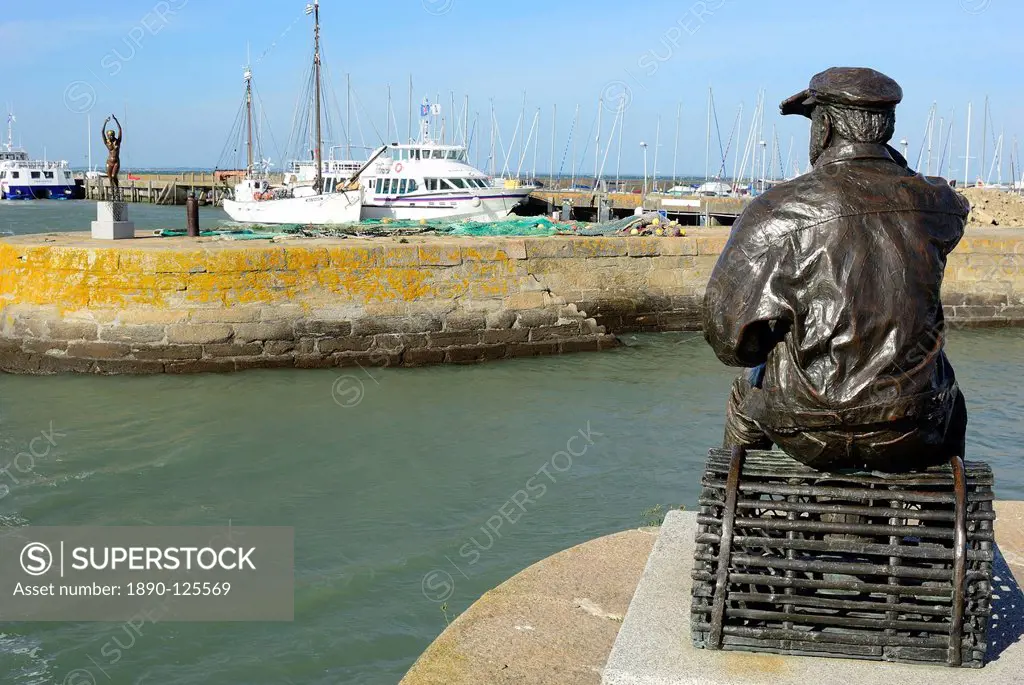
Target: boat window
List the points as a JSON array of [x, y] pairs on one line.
[[15, 174], [47, 174], [35, 174], [438, 154], [452, 154], [457, 182], [401, 187], [462, 156], [379, 183], [412, 185], [3, 174]]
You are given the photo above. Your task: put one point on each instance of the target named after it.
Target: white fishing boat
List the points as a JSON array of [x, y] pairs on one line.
[[22, 178], [320, 202]]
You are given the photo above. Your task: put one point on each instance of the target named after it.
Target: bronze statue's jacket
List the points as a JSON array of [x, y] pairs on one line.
[[832, 281]]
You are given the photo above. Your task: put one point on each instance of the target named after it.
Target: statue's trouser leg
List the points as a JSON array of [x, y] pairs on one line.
[[740, 429]]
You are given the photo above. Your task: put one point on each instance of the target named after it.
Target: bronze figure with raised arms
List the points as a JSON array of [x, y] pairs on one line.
[[113, 142]]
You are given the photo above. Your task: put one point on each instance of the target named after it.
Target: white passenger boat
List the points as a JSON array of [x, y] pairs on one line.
[[424, 180], [22, 178]]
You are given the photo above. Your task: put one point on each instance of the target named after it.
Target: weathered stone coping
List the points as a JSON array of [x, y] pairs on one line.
[[573, 603], [70, 303]]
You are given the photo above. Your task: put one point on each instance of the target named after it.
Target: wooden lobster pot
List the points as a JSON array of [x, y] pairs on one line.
[[889, 567]]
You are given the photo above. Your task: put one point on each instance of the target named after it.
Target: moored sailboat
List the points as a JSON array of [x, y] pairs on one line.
[[255, 201]]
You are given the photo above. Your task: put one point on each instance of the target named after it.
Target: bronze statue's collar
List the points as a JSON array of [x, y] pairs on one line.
[[851, 151]]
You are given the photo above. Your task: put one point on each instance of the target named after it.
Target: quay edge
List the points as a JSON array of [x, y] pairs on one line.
[[178, 305]]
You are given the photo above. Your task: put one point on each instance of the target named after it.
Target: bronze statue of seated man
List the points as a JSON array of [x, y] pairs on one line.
[[828, 290]]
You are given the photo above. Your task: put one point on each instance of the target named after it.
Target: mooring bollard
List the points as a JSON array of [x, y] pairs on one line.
[[192, 215]]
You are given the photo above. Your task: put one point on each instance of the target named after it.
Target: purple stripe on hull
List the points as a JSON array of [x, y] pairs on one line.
[[520, 196]]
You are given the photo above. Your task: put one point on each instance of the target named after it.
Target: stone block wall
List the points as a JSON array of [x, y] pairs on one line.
[[175, 305]]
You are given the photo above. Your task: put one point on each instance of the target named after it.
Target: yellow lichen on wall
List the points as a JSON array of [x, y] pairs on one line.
[[75, 278]]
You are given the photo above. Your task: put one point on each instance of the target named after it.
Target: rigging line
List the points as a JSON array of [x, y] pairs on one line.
[[586, 146], [359, 105], [337, 106], [568, 142], [945, 146], [728, 146], [718, 130], [273, 44], [263, 115], [778, 152], [233, 138]]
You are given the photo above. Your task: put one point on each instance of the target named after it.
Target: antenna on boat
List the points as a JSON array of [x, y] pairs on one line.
[[10, 128]]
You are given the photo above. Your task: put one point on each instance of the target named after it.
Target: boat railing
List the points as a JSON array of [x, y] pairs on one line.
[[35, 164]]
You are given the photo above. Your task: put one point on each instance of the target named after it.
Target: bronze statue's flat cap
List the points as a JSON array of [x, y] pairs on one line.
[[846, 86]]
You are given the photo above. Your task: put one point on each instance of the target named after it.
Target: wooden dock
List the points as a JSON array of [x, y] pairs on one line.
[[691, 210], [165, 189]]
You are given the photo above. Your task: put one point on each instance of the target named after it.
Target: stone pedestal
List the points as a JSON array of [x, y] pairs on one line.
[[654, 645], [112, 221]]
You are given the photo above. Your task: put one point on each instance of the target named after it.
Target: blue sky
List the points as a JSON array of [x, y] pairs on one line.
[[174, 69]]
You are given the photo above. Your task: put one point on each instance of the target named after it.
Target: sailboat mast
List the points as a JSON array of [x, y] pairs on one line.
[[984, 133], [675, 146], [88, 136], [707, 142], [318, 154], [551, 164], [348, 115], [967, 152], [248, 123]]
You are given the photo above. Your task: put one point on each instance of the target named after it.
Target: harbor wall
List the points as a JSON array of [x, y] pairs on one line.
[[68, 303]]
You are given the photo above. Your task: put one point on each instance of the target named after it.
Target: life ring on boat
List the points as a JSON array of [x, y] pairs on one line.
[[257, 196], [267, 196], [398, 167]]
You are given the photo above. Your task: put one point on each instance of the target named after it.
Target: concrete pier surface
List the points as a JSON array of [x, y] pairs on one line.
[[150, 305], [556, 623]]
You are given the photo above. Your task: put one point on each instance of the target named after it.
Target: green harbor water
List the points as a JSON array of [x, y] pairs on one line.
[[20, 217], [389, 477]]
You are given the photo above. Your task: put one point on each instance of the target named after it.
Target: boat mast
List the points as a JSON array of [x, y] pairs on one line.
[[984, 133], [675, 146], [318, 182], [348, 115], [248, 123], [597, 141], [551, 164], [967, 152], [618, 153], [657, 146], [88, 137], [707, 142]]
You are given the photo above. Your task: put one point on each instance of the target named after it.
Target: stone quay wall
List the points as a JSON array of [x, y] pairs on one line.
[[68, 303]]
